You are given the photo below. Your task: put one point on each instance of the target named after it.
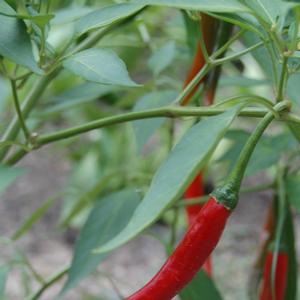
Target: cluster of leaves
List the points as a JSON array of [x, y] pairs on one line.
[[65, 62]]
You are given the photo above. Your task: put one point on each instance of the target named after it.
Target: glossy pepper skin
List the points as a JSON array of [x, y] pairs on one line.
[[280, 277], [194, 190], [189, 256]]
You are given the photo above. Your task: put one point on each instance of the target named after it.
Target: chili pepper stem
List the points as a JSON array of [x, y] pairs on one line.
[[228, 193]]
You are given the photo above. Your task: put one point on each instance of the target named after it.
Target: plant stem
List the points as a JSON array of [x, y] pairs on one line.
[[237, 55], [193, 83], [283, 77], [29, 102], [236, 176], [15, 157], [53, 279], [167, 111], [18, 109], [197, 200], [174, 227], [224, 47]]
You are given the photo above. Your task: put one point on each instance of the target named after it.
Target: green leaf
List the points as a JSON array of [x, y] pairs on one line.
[[144, 129], [293, 191], [202, 287], [15, 43], [241, 81], [261, 55], [162, 58], [99, 65], [105, 16], [175, 173], [271, 11], [295, 130], [8, 175], [4, 270], [33, 218], [293, 90], [6, 9], [70, 14], [202, 5], [39, 20], [88, 196], [107, 218]]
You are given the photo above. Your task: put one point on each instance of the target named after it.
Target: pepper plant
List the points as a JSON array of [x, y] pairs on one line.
[[148, 99]]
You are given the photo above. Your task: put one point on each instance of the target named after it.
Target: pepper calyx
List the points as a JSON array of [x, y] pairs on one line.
[[226, 195]]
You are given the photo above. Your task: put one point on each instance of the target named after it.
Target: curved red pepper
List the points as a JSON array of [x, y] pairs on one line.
[[280, 277], [196, 189], [189, 255], [208, 28]]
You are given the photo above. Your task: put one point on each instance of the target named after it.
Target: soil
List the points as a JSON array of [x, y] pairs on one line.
[[49, 249]]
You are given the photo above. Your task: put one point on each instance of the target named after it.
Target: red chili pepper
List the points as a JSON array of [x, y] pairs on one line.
[[196, 189], [189, 255], [280, 277], [208, 27]]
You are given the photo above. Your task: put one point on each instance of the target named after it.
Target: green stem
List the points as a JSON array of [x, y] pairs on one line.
[[227, 194], [18, 109], [48, 283], [211, 63], [16, 157], [167, 111], [193, 83], [224, 48], [28, 104], [237, 55], [283, 77], [192, 201], [237, 173], [174, 226]]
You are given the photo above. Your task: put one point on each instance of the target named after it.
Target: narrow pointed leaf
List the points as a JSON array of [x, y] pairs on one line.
[[295, 130], [106, 16], [271, 11], [175, 173], [162, 58], [33, 218], [99, 65], [107, 218], [15, 43], [203, 5]]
